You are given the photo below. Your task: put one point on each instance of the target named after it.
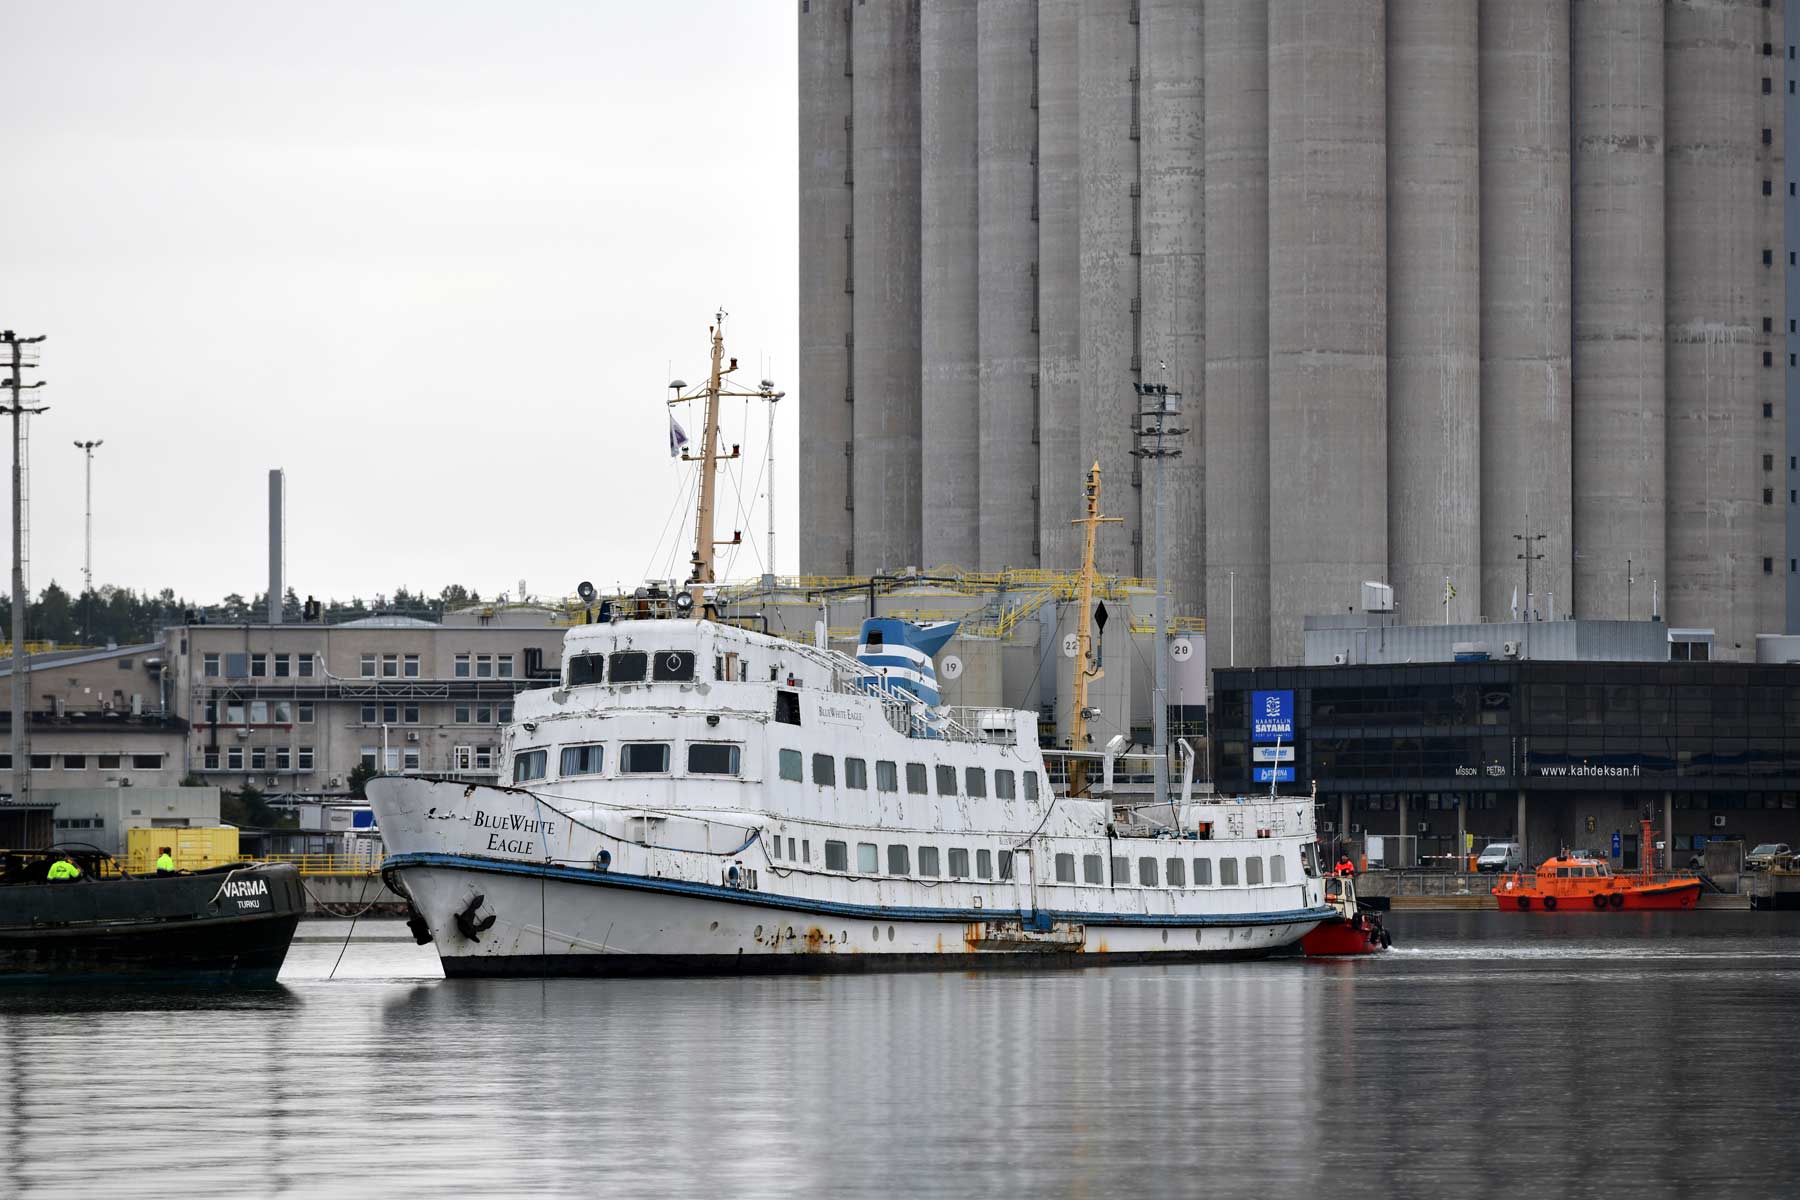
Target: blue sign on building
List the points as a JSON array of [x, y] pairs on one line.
[[1271, 716], [1272, 774], [1616, 847]]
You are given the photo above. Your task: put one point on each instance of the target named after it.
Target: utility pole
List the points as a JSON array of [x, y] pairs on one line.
[[87, 562], [1157, 406], [768, 392], [18, 410], [1529, 554]]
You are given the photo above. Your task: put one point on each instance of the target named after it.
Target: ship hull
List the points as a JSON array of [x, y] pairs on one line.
[[1656, 898], [181, 929], [1340, 938]]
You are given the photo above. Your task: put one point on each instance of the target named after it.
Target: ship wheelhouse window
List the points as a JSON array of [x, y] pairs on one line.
[[958, 863], [644, 758], [787, 707], [915, 779], [856, 773], [928, 860], [946, 780], [529, 765], [1031, 785], [1121, 869], [1277, 869], [672, 666], [586, 668], [837, 856], [1228, 872], [868, 858], [1065, 868], [1091, 869], [583, 760], [1175, 872], [984, 864], [712, 758], [1003, 784], [974, 781], [1147, 871], [1006, 864], [899, 861], [1203, 872], [627, 666], [1253, 870], [1309, 860], [887, 776], [790, 766], [824, 770]]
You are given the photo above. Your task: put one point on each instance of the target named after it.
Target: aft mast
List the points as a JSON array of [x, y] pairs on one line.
[[1086, 669]]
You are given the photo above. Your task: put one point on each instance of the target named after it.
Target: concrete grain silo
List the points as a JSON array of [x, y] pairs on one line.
[[885, 468], [949, 413], [1327, 308], [824, 371], [1061, 467], [1434, 307]]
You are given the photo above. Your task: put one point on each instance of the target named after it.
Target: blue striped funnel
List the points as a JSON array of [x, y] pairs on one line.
[[897, 654]]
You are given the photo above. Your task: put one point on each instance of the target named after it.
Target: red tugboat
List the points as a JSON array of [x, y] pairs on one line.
[[1352, 931], [1583, 884]]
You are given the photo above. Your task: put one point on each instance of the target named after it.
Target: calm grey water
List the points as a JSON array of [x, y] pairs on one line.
[[1487, 1055]]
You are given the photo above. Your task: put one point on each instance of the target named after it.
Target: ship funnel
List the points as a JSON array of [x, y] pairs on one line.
[[897, 654]]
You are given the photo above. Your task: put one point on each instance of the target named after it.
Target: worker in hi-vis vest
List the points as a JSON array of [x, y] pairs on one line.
[[64, 868], [165, 862]]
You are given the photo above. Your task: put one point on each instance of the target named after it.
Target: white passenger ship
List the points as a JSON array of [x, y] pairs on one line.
[[696, 796]]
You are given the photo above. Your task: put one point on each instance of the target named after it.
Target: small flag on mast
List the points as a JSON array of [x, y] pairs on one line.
[[678, 438]]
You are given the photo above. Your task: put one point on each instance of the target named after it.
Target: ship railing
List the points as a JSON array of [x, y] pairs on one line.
[[908, 717], [328, 864]]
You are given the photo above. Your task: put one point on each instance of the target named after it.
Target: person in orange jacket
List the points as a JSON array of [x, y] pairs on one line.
[[1344, 866]]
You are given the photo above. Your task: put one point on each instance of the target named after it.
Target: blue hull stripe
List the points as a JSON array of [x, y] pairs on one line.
[[866, 912]]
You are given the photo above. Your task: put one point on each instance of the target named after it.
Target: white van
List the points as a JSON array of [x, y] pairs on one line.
[[1501, 856]]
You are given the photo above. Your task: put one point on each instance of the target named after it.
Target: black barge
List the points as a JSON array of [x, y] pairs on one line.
[[226, 925]]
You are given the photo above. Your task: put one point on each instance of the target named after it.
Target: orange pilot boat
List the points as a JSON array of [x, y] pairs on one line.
[[1568, 884], [1351, 931]]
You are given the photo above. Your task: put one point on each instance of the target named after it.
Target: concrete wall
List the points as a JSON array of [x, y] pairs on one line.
[[1618, 422], [1434, 307], [1790, 405], [885, 470], [825, 297], [1328, 445], [1235, 420], [104, 814], [949, 305], [1777, 510]]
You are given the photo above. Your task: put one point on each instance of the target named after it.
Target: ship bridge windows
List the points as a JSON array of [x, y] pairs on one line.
[[672, 666], [1228, 872], [915, 779], [1147, 871], [1277, 869], [837, 856], [1065, 868], [946, 780], [644, 758], [712, 758], [824, 770], [1309, 860], [887, 776], [974, 781], [899, 860], [1003, 784], [529, 765], [1203, 872], [627, 666], [790, 766], [1031, 785], [1092, 870], [583, 760], [928, 860], [787, 707], [1175, 871], [856, 773], [1253, 872], [1121, 869], [586, 668], [958, 863], [1006, 864], [984, 864], [868, 858]]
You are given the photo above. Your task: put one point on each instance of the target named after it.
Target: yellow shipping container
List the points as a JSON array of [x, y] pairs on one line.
[[193, 848]]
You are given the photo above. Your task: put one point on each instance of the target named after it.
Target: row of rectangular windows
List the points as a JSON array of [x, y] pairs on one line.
[[887, 777], [373, 666], [635, 758], [954, 864], [283, 712], [82, 762], [260, 758]]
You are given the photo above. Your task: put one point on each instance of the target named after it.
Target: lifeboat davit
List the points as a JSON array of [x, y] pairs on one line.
[[1351, 931]]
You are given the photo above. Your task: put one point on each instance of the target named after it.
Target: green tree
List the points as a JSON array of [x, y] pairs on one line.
[[360, 775]]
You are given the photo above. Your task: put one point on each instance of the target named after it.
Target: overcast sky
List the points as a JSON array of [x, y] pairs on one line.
[[435, 259]]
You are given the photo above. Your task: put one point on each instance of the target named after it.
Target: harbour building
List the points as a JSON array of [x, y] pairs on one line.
[[1483, 300]]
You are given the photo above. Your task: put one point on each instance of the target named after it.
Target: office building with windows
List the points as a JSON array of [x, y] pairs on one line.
[[1443, 282]]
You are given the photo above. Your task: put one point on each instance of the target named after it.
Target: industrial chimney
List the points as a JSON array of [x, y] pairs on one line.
[[277, 543]]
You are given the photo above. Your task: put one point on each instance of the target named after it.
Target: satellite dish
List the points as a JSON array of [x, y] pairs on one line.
[[952, 668], [585, 590]]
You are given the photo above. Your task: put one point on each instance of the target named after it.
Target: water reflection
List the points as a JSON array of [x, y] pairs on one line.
[[1489, 1054]]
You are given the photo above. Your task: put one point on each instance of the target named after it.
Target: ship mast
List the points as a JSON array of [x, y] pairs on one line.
[[709, 458], [1086, 669]]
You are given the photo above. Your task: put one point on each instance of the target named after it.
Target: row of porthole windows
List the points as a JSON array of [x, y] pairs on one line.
[[635, 758], [974, 780], [1172, 871]]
